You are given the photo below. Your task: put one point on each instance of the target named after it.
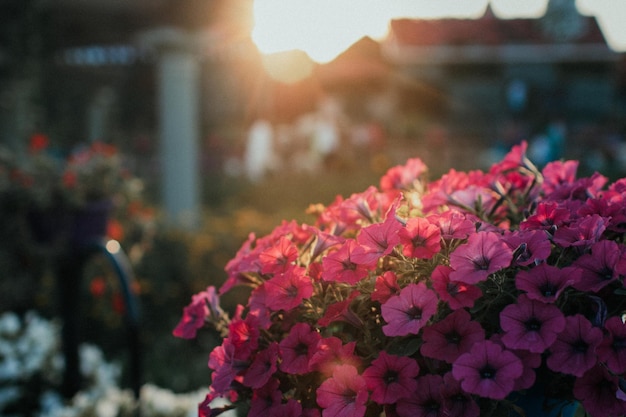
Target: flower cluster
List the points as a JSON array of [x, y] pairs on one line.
[[455, 297], [48, 179]]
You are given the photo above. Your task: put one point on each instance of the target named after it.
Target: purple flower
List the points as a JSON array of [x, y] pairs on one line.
[[454, 335], [574, 351], [297, 348], [391, 378], [612, 350], [488, 370], [530, 324], [426, 400], [544, 282], [598, 268], [409, 311], [483, 254]]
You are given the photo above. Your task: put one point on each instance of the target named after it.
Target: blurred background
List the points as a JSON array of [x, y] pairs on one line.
[[236, 114]]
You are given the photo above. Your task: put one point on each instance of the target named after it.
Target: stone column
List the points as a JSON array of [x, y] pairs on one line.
[[178, 73]]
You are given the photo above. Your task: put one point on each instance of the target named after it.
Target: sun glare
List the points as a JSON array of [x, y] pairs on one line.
[[323, 29]]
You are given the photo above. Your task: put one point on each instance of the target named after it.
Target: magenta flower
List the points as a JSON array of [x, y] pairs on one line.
[[581, 233], [330, 353], [420, 238], [278, 257], [391, 378], [454, 335], [574, 351], [456, 402], [262, 368], [264, 399], [376, 240], [548, 216], [456, 294], [529, 247], [612, 350], [426, 400], [385, 287], [530, 325], [409, 311], [401, 177], [286, 290], [226, 364], [600, 267], [453, 224], [297, 348], [596, 391], [544, 282], [340, 311], [193, 318], [483, 254], [488, 370], [339, 267], [344, 394]]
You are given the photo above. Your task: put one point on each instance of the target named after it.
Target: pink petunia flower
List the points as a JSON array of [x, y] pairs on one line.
[[278, 257], [456, 294], [376, 240], [193, 318], [286, 290], [391, 377], [297, 349], [581, 233], [548, 216], [339, 267], [227, 364], [596, 391], [451, 337], [544, 282], [600, 267], [262, 368], [401, 177], [456, 402], [344, 394], [265, 398], [385, 287], [453, 224], [488, 370], [409, 311], [425, 401], [330, 353], [529, 247], [574, 351], [483, 254], [612, 350], [530, 325], [420, 238]]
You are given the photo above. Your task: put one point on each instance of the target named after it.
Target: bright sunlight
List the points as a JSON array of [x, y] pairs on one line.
[[323, 29]]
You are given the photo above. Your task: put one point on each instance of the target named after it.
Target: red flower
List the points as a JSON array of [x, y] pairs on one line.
[[193, 318], [420, 238], [38, 142], [339, 267], [386, 286], [278, 257], [456, 294], [286, 290]]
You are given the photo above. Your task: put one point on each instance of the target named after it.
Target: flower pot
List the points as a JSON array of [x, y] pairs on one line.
[[89, 223], [73, 226]]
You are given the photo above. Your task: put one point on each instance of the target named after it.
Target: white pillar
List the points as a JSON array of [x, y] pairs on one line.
[[178, 73]]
